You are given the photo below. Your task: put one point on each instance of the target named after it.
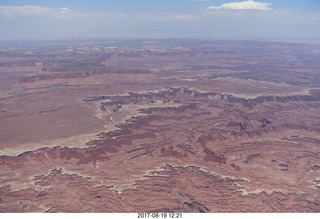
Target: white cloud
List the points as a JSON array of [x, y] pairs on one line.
[[314, 17], [65, 10], [244, 5], [174, 17], [26, 10], [9, 12]]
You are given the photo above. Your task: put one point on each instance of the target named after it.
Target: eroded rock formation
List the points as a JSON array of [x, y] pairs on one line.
[[209, 153]]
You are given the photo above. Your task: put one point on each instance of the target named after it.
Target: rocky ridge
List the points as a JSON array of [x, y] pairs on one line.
[[208, 154]]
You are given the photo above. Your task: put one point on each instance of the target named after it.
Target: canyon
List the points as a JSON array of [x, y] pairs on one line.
[[167, 126]]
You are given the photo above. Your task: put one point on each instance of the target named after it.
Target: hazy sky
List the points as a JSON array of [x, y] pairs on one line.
[[160, 18]]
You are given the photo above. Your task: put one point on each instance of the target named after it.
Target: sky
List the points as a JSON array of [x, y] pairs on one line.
[[292, 19]]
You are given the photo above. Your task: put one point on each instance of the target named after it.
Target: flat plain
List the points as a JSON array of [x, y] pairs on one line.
[[159, 126]]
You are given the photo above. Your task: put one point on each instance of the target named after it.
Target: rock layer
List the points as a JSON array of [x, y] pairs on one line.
[[159, 126], [212, 153]]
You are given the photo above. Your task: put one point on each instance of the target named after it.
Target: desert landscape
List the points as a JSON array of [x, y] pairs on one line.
[[145, 125]]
